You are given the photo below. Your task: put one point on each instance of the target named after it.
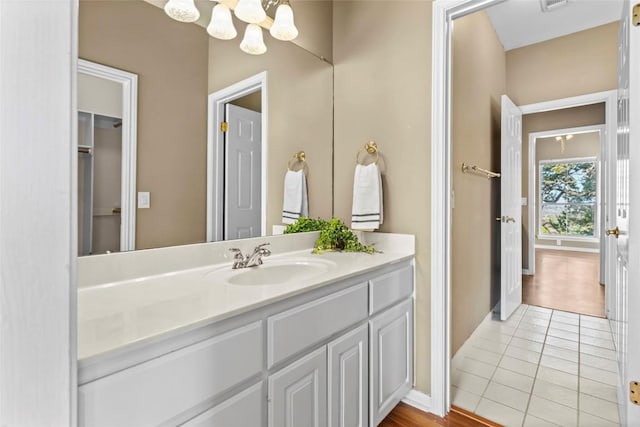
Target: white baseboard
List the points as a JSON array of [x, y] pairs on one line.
[[526, 272], [418, 400], [567, 248]]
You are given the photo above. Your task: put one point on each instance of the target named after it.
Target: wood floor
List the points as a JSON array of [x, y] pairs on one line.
[[404, 415], [568, 281]]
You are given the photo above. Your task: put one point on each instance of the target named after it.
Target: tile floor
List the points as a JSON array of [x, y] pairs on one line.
[[541, 367]]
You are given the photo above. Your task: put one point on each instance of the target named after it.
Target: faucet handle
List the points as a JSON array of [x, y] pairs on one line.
[[237, 251], [262, 245]]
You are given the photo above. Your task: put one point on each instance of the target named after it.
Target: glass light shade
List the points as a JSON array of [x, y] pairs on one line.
[[283, 27], [221, 25], [182, 10], [250, 11], [252, 43]]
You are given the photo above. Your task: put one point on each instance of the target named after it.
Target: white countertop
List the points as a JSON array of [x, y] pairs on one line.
[[120, 313]]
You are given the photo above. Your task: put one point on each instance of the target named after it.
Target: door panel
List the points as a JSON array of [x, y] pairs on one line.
[[625, 319], [391, 359], [243, 173], [511, 209], [348, 379], [298, 393]]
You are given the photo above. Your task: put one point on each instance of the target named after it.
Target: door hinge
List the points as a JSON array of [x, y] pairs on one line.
[[224, 126], [635, 18], [634, 392]]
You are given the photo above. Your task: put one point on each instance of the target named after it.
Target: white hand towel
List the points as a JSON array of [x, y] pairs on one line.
[[296, 201], [367, 211]]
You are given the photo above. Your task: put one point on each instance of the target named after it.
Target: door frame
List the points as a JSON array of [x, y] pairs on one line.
[[129, 84], [534, 196], [444, 13], [215, 151], [38, 212]]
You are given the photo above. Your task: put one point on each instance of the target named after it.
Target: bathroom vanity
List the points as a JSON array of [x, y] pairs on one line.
[[303, 340]]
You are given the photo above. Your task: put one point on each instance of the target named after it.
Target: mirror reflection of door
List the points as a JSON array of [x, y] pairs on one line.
[[243, 170], [107, 104]]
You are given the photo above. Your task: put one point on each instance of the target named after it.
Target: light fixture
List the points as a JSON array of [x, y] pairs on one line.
[[283, 27], [182, 10], [253, 43], [250, 11], [562, 140], [221, 25]]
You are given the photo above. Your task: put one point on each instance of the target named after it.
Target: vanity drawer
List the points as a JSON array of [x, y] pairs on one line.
[[299, 328], [245, 409], [160, 389], [390, 288]]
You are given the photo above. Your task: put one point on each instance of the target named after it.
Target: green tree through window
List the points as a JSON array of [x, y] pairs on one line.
[[568, 194]]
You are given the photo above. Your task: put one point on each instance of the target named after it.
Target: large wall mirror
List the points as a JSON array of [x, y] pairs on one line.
[[177, 68]]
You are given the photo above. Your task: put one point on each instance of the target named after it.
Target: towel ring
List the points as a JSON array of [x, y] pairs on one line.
[[299, 157], [371, 148]]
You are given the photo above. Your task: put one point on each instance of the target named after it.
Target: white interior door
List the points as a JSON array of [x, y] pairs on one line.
[[511, 210], [625, 318], [243, 169]]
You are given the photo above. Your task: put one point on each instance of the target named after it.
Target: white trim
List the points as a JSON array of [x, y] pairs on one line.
[[38, 213], [568, 248], [570, 102], [215, 151], [418, 400], [607, 139], [129, 82], [444, 12], [526, 272]]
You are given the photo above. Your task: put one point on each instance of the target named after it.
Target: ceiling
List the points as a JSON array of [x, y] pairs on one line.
[[520, 23]]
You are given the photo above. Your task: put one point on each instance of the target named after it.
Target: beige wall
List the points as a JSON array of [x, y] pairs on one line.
[[580, 146], [576, 64], [253, 101], [382, 93], [314, 19], [551, 120], [172, 105], [479, 80], [300, 101]]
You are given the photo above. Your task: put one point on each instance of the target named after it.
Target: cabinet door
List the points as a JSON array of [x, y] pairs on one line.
[[349, 379], [298, 393], [391, 359], [242, 410]]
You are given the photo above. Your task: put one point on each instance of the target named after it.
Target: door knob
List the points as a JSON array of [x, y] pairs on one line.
[[614, 232], [510, 219]]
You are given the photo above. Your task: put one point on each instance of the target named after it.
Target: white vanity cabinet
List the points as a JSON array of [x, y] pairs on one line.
[[247, 408], [348, 375], [298, 393], [340, 355], [391, 359]]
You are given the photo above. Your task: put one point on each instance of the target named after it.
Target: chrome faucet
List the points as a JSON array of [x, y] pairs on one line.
[[253, 260]]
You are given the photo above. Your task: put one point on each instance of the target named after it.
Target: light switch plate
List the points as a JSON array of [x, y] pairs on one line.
[[144, 200], [523, 201]]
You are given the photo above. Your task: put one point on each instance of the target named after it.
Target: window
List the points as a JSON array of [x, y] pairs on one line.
[[568, 199]]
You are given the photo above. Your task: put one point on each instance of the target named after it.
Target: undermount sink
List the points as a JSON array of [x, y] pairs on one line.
[[274, 272]]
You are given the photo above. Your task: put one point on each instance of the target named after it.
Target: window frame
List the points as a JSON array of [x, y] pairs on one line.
[[596, 219]]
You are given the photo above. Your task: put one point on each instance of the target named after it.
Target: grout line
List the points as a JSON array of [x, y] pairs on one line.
[[533, 385], [498, 364]]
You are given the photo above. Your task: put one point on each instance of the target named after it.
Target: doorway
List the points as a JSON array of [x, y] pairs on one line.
[[237, 160], [441, 215], [567, 212]]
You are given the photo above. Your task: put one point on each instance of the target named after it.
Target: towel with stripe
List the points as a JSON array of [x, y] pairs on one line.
[[367, 211], [296, 201]]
